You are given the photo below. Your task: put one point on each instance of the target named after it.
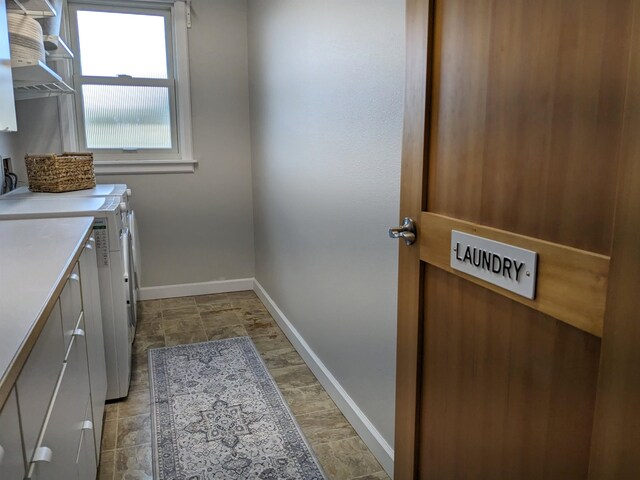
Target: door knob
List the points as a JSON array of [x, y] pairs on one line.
[[407, 231]]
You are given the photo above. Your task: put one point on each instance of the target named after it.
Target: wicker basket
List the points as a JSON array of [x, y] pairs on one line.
[[60, 173]]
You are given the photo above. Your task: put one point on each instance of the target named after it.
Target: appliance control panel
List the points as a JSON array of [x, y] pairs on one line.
[[102, 241]]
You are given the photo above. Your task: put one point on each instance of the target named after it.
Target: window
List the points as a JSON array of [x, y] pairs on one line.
[[129, 109]]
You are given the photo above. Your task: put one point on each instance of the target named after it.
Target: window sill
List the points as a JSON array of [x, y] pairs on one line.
[[117, 167]]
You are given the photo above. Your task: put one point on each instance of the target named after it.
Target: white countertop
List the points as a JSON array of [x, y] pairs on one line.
[[36, 257]]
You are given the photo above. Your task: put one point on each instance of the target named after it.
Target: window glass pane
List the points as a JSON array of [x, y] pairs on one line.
[[125, 117], [113, 44]]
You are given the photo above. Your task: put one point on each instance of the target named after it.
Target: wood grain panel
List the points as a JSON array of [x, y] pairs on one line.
[[506, 387], [572, 284], [616, 437], [524, 139], [410, 271], [527, 112]]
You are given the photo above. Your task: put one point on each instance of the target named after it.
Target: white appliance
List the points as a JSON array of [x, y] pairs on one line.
[[114, 253], [101, 190]]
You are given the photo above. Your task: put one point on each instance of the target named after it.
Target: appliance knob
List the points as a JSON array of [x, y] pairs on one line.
[[123, 206], [128, 192]]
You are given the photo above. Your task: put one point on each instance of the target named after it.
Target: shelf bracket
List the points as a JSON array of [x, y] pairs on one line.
[[32, 8], [19, 4]]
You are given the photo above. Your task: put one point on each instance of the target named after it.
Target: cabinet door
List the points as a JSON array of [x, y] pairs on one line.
[[71, 305], [7, 106], [12, 462], [86, 463], [37, 381], [95, 337], [62, 433]]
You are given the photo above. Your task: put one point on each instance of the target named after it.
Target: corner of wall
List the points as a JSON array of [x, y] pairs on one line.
[[356, 417]]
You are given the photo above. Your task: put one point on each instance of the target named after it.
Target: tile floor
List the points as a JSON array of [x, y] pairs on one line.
[[126, 442]]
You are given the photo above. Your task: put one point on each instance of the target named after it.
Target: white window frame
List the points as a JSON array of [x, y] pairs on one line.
[[145, 161]]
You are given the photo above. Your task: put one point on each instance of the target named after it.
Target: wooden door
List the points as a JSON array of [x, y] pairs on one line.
[[521, 122]]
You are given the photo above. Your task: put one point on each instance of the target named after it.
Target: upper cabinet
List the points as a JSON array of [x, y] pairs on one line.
[[7, 106]]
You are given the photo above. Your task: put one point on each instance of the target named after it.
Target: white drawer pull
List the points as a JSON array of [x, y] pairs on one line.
[[43, 454], [1, 454], [89, 246], [87, 425], [78, 332], [75, 277]]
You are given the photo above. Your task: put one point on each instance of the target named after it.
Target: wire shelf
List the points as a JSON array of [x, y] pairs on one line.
[[33, 8], [37, 80]]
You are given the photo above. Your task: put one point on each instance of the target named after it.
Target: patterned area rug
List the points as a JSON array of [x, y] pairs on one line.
[[218, 414]]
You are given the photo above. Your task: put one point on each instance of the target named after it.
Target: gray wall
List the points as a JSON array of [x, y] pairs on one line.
[[7, 141], [38, 132], [194, 227], [197, 228], [326, 84]]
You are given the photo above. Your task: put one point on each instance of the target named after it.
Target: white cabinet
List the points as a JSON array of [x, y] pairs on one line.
[[69, 440], [57, 452], [70, 305], [37, 381], [7, 106], [12, 462], [52, 360], [95, 337], [51, 425], [87, 460]]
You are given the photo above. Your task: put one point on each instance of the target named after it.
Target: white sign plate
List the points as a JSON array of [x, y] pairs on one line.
[[506, 266]]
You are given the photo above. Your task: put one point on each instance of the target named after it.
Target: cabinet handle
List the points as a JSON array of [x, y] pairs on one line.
[[78, 332], [87, 425], [1, 454], [43, 454], [75, 277]]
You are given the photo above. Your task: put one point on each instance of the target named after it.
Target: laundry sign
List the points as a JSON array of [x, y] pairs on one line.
[[506, 266]]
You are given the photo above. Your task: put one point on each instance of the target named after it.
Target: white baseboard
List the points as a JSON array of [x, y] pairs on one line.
[[189, 289], [369, 434]]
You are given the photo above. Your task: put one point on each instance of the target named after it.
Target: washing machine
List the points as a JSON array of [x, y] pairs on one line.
[[101, 190]]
